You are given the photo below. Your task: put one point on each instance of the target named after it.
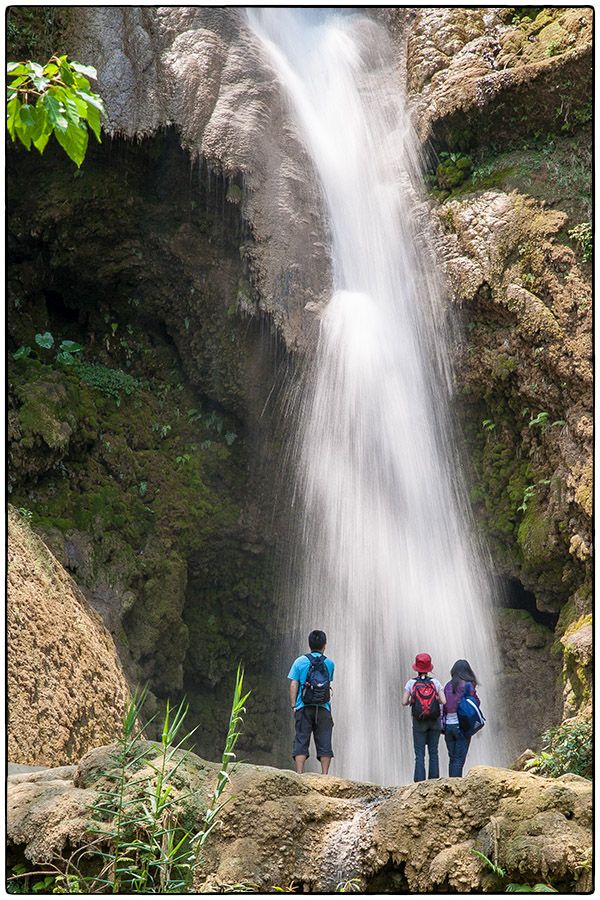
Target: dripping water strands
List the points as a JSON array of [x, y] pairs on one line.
[[387, 563]]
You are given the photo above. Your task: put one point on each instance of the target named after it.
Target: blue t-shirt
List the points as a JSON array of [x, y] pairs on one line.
[[299, 671]]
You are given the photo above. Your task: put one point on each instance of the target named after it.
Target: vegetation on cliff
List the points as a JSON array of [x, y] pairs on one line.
[[132, 434], [508, 115]]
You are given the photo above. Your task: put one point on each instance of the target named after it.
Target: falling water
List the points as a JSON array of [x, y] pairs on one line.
[[388, 565]]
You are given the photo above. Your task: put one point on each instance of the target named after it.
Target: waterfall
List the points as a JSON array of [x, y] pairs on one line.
[[388, 564]]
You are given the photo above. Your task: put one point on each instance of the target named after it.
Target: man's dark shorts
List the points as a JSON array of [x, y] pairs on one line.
[[316, 720]]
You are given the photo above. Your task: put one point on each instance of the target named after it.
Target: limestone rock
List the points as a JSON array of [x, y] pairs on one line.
[[200, 70], [522, 760], [280, 827], [475, 75], [528, 661], [66, 688], [528, 354]]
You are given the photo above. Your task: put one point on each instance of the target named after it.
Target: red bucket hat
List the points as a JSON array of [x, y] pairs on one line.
[[422, 663]]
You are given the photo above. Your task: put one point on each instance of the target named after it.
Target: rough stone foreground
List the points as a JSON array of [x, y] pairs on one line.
[[66, 689], [281, 827]]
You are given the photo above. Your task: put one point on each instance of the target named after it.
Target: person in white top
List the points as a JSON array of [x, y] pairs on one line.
[[426, 698]]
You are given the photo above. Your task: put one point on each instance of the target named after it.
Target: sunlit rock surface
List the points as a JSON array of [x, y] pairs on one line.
[[66, 688], [200, 70], [316, 832], [483, 75]]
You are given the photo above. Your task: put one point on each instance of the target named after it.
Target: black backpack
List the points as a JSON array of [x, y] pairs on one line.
[[317, 687], [424, 700]]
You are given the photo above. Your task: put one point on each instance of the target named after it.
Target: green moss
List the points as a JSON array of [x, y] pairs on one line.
[[234, 194], [143, 511], [33, 32], [503, 366], [582, 622], [534, 536], [144, 499], [51, 407]]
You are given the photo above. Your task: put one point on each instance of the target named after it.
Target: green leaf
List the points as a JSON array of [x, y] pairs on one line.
[[50, 69], [71, 346], [44, 340], [94, 99], [71, 110], [12, 111], [74, 141], [82, 83], [88, 71], [93, 117], [68, 107], [42, 124], [65, 358], [40, 143], [54, 110], [40, 83], [66, 74], [22, 352], [17, 82], [23, 133], [28, 115], [16, 68]]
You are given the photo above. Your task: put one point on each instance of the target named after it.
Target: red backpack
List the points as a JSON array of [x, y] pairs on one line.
[[424, 700]]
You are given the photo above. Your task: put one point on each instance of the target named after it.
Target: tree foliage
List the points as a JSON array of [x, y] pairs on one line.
[[53, 99]]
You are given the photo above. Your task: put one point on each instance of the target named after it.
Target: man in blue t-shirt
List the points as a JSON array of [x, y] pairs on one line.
[[311, 718]]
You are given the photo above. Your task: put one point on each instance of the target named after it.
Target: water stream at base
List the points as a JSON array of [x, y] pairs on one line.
[[388, 564]]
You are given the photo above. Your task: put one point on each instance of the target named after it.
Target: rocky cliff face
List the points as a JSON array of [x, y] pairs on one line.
[[190, 263], [502, 95], [200, 70], [148, 467], [66, 688], [316, 833]]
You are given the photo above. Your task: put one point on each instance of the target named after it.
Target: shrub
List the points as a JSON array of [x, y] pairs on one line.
[[112, 382], [566, 748], [582, 235], [140, 844]]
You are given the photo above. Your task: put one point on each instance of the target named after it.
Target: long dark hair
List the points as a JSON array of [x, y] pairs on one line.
[[462, 671]]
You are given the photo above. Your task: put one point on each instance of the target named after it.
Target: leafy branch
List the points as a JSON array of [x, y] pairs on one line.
[[53, 99]]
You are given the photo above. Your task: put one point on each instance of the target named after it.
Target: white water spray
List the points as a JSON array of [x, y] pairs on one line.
[[389, 568]]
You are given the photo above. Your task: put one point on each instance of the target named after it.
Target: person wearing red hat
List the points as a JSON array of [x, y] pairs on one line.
[[425, 696]]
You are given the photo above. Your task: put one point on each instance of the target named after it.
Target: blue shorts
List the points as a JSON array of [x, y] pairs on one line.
[[315, 720]]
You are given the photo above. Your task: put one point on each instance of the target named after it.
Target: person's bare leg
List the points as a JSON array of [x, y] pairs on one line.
[[300, 761], [325, 761]]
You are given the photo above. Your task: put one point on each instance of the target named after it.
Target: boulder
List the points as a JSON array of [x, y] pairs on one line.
[[315, 832], [66, 688]]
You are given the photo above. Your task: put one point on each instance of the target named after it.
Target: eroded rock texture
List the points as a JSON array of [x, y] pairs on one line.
[[476, 74], [200, 70], [507, 91], [185, 255], [66, 688], [281, 828], [529, 321]]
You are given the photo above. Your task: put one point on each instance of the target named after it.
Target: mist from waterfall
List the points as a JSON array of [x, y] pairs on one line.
[[389, 567]]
